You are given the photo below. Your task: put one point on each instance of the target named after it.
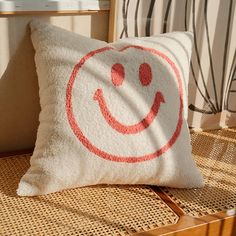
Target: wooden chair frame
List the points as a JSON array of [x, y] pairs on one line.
[[112, 16]]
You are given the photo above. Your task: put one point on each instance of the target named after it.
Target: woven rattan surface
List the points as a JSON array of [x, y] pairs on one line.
[[99, 210], [215, 154]]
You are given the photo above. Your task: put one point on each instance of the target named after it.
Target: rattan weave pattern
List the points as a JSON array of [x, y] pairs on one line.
[[103, 210], [215, 154]]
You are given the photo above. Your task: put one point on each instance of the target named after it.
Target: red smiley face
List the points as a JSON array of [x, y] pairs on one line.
[[118, 76]]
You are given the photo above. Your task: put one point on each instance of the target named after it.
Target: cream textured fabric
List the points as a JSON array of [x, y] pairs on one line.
[[111, 113]]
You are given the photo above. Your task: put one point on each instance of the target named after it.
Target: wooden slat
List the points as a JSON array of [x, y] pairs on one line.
[[74, 12], [14, 153], [219, 224], [112, 21], [211, 225], [24, 6], [168, 201]]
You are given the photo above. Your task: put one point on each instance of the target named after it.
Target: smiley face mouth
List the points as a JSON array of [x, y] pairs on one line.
[[128, 129]]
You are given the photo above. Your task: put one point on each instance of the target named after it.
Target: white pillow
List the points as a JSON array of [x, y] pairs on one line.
[[111, 113]]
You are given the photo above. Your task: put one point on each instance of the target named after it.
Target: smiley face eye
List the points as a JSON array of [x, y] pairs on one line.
[[145, 74], [117, 74]]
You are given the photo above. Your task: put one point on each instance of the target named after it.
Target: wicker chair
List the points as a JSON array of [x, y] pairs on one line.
[[129, 210]]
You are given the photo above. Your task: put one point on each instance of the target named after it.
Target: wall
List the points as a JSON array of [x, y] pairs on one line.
[[19, 101]]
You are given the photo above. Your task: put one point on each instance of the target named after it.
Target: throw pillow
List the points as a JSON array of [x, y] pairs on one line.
[[110, 113]]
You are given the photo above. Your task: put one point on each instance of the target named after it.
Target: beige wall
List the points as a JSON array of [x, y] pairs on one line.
[[19, 102]]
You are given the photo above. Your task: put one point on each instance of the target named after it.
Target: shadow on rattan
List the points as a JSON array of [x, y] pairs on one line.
[[215, 154]]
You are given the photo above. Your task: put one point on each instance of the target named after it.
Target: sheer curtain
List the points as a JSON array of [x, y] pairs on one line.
[[212, 88]]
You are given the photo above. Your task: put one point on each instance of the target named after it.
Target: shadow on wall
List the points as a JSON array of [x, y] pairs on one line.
[[19, 99]]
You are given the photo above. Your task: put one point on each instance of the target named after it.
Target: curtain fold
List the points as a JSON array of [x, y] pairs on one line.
[[212, 87]]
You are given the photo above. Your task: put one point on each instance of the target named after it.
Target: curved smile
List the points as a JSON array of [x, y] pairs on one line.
[[128, 129]]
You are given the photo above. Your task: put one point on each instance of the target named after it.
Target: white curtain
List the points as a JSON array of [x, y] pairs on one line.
[[212, 88]]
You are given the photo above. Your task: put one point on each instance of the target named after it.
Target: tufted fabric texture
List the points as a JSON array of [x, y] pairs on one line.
[[111, 113]]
